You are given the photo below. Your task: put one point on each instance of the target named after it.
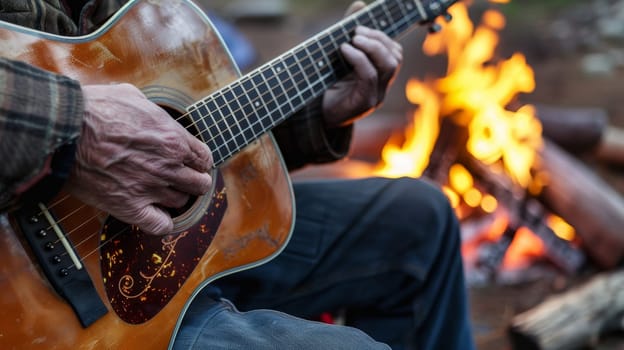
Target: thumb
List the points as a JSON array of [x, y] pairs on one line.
[[355, 7], [155, 221]]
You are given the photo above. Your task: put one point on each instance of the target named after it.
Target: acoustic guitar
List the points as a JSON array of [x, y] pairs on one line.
[[74, 277]]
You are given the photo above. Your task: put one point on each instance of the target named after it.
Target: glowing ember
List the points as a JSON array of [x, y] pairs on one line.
[[525, 247], [561, 228]]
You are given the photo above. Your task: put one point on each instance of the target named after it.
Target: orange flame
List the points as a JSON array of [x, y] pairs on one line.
[[525, 247], [413, 157]]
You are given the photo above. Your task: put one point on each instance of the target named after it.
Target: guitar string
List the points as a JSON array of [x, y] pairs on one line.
[[343, 36], [321, 49]]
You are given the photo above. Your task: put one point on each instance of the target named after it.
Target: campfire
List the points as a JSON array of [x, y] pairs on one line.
[[471, 135]]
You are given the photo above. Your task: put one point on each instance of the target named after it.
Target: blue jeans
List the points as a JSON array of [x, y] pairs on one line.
[[385, 253]]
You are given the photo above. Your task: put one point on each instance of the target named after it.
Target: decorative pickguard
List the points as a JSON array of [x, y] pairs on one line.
[[142, 272]]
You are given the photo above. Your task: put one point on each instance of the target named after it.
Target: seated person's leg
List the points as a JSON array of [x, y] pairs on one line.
[[213, 323], [387, 252]]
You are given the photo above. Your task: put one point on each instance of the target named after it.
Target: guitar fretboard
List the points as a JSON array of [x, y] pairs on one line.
[[238, 114]]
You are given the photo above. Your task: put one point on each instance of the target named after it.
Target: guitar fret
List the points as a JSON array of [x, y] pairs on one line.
[[301, 55], [341, 64], [345, 35], [324, 64], [231, 120], [406, 16], [318, 61], [349, 28], [259, 102], [372, 22], [197, 116], [259, 125], [269, 81], [225, 131], [376, 12], [332, 56], [279, 71], [388, 14], [317, 72], [363, 19], [289, 81], [213, 127], [402, 16], [236, 115], [389, 27], [401, 6], [420, 8]]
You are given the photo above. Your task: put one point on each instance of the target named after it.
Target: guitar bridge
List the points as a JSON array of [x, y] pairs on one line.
[[60, 263]]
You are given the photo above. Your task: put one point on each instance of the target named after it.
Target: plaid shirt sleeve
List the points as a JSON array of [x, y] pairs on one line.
[[39, 112], [304, 138]]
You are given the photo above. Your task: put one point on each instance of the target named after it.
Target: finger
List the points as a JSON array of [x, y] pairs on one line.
[[189, 181], [152, 220], [393, 47], [365, 74], [169, 197], [355, 7], [199, 156], [379, 53]]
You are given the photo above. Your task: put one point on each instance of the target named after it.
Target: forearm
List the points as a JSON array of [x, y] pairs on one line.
[[39, 112]]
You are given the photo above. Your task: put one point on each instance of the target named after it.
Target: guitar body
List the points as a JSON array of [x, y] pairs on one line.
[[170, 50]]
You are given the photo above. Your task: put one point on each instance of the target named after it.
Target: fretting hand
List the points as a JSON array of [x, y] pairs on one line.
[[133, 159], [375, 59]]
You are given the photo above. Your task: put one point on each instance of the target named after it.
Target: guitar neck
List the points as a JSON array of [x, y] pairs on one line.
[[239, 113]]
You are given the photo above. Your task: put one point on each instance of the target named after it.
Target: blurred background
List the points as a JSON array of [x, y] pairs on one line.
[[576, 52]]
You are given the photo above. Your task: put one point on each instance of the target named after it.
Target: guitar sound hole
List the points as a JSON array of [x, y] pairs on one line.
[[175, 212]]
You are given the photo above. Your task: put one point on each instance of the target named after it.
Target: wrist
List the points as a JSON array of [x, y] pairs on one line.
[[61, 164]]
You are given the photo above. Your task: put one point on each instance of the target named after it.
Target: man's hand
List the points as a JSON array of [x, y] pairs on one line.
[[375, 59], [133, 159]]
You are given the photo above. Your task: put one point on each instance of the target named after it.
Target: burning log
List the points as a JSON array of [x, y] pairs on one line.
[[586, 202], [448, 147], [573, 319], [528, 212], [575, 193]]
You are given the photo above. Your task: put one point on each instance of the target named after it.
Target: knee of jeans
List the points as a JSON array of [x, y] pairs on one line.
[[427, 208]]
